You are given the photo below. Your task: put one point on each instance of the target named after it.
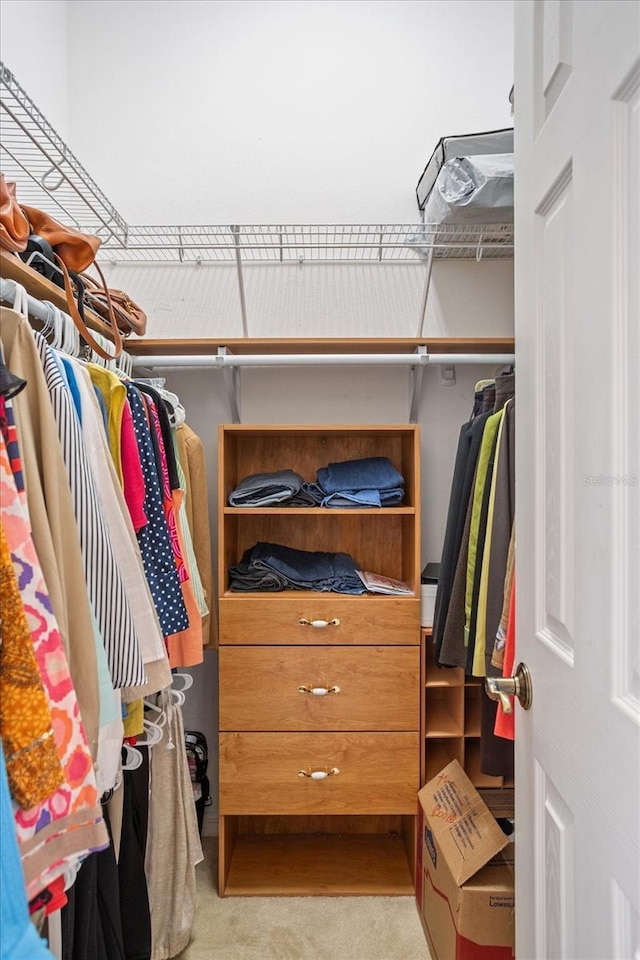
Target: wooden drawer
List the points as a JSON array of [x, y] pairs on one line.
[[259, 773], [379, 688], [275, 619]]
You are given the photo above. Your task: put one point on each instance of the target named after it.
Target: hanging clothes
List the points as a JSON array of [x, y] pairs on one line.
[[19, 939], [497, 657], [114, 396], [61, 830], [64, 475], [475, 563], [102, 576], [91, 924], [505, 722], [469, 443], [51, 516], [125, 545], [33, 765], [494, 511], [498, 540], [173, 844], [154, 540], [135, 910], [180, 497], [192, 461], [478, 530]]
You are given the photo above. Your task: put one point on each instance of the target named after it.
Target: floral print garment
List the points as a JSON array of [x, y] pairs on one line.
[[33, 766], [69, 823]]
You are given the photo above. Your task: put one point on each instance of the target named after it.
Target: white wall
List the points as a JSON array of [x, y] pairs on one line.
[[33, 45], [261, 111], [264, 111]]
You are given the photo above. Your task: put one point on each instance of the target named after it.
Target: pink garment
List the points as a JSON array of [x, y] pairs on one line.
[[505, 722], [68, 825], [132, 477]]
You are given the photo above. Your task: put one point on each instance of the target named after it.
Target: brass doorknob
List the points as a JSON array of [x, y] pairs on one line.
[[519, 685]]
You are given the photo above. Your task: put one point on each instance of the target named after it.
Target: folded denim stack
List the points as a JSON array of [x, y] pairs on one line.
[[271, 567], [262, 489], [368, 482]]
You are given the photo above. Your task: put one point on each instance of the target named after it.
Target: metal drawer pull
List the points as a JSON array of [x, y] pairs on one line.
[[318, 774], [319, 623], [318, 691]]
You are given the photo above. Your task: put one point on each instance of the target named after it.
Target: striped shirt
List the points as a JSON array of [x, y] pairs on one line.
[[104, 584]]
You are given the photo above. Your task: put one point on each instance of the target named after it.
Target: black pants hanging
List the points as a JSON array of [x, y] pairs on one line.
[[134, 898], [91, 927]]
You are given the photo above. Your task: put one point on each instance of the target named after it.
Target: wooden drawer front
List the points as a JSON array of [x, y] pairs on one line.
[[379, 688], [378, 773], [274, 619]]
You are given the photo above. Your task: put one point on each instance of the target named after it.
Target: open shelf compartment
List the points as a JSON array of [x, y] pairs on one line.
[[259, 856]]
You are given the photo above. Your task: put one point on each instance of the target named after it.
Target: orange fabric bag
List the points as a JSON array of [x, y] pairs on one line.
[[76, 250], [14, 226]]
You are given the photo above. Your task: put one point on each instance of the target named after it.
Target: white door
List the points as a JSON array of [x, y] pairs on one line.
[[577, 120]]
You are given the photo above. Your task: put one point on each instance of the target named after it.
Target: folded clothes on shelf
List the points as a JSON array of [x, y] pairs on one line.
[[262, 489], [367, 482], [272, 567]]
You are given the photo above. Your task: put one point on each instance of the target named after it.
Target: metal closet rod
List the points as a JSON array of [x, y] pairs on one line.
[[323, 359]]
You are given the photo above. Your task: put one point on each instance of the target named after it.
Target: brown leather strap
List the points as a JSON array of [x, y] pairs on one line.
[[79, 322]]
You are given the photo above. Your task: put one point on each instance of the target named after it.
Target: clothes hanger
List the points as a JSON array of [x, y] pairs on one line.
[[161, 715], [47, 326], [176, 411], [154, 734], [16, 296], [72, 335], [188, 681], [63, 327], [134, 757], [177, 694], [57, 339], [124, 367], [163, 711]]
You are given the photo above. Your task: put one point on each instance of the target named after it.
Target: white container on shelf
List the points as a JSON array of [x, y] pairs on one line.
[[428, 590]]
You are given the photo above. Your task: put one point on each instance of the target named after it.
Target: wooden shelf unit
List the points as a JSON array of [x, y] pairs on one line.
[[451, 719], [352, 832]]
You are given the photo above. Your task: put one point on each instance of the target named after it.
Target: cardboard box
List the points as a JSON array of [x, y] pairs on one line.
[[464, 872]]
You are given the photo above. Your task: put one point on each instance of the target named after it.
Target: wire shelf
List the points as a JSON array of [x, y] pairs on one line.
[[334, 243], [48, 175]]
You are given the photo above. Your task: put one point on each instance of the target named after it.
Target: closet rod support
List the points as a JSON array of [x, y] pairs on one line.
[[243, 303], [417, 376], [425, 292], [231, 377]]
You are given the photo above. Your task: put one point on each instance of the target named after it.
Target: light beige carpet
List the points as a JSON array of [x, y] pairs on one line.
[[301, 928]]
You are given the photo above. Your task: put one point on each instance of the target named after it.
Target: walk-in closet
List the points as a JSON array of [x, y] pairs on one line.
[[320, 518]]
